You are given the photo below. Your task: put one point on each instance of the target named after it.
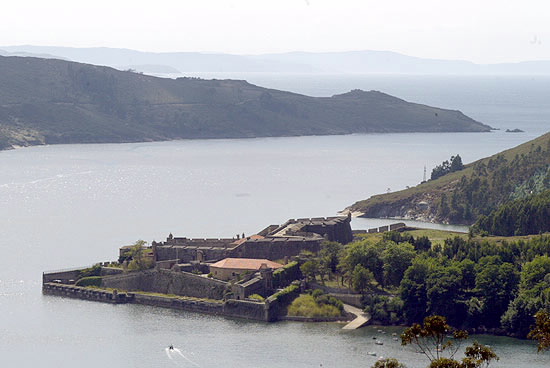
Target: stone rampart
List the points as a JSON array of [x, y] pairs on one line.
[[243, 290], [275, 248], [108, 271], [351, 299], [65, 276], [397, 226], [199, 306], [168, 282], [189, 253], [247, 309], [71, 291]]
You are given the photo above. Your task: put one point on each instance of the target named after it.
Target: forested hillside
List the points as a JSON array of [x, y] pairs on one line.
[[48, 101], [462, 196], [529, 215]]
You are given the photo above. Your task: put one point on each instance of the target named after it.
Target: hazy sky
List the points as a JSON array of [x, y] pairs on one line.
[[484, 31]]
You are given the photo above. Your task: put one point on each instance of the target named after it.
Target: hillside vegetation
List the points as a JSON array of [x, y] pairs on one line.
[[524, 216], [48, 101], [481, 283], [461, 197]]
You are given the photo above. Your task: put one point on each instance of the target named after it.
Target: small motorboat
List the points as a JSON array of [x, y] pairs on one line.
[[371, 353], [378, 342]]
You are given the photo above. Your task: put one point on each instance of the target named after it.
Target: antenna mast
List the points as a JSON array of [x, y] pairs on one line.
[[424, 174]]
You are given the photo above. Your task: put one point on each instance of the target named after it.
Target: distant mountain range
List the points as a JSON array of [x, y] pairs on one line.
[[48, 101], [293, 62]]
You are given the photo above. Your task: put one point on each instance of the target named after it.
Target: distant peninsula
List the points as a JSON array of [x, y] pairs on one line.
[[51, 101]]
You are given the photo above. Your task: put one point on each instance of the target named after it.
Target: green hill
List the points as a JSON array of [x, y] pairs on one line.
[[463, 196], [48, 101], [530, 215]]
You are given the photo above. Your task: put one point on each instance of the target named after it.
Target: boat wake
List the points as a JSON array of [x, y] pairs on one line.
[[177, 354]]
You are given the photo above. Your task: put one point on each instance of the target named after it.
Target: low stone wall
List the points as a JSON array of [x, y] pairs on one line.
[[246, 309], [351, 299], [65, 276], [231, 308], [168, 282], [199, 306], [86, 293], [315, 319], [108, 271]]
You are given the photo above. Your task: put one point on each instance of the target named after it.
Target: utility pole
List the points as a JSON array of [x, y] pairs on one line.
[[423, 180]]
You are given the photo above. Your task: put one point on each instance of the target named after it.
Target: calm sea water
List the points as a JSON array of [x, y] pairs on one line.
[[73, 205]]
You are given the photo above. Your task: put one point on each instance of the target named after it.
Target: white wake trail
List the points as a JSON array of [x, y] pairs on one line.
[[184, 357], [168, 353]]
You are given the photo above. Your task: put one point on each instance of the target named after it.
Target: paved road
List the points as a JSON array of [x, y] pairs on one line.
[[360, 320]]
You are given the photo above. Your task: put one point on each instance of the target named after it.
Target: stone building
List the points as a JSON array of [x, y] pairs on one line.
[[231, 268], [272, 243]]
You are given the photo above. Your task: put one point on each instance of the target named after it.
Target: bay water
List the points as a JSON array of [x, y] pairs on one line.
[[74, 205]]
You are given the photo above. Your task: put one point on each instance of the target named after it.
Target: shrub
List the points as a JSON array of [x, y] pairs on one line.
[[95, 270], [287, 295], [306, 306], [285, 275], [89, 281], [256, 297]]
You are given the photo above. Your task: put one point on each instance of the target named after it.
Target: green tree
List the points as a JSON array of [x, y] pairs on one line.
[[444, 291], [397, 258], [310, 269], [330, 252], [139, 261], [365, 253], [388, 363], [432, 339], [496, 285], [413, 289], [541, 330], [361, 278]]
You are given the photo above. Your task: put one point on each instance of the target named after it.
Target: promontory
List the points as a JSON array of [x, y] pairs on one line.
[[50, 101]]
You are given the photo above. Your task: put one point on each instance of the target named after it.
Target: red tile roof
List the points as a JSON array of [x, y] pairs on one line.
[[245, 263]]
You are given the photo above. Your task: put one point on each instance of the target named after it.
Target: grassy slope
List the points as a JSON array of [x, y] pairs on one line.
[[57, 101], [397, 203], [439, 236]]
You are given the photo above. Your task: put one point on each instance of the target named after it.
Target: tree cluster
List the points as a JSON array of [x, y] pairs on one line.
[[446, 167], [526, 216]]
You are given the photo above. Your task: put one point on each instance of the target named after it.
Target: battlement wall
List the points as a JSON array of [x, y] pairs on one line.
[[275, 248], [168, 282]]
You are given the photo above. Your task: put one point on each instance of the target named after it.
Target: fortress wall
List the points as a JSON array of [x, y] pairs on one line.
[[199, 242], [274, 248], [397, 226], [246, 309], [255, 285], [63, 276], [107, 271], [71, 291], [336, 229], [188, 254], [168, 282], [181, 304]]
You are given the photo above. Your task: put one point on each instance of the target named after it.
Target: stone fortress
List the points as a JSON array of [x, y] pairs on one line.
[[275, 242], [220, 274]]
